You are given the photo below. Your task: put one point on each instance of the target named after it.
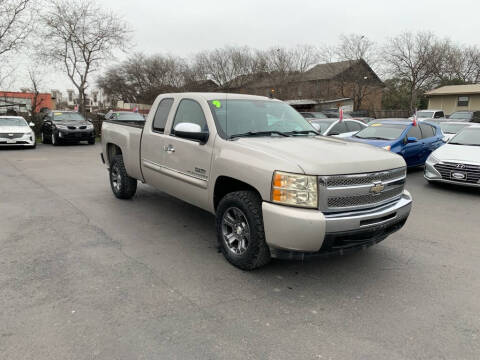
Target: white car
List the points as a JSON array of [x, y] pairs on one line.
[[457, 162], [451, 128], [15, 131], [337, 128]]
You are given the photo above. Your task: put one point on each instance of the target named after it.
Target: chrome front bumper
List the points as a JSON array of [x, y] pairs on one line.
[[296, 233]]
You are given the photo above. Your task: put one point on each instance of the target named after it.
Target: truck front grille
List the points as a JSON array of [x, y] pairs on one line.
[[339, 193]]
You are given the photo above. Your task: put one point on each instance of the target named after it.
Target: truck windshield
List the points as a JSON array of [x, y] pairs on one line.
[[245, 117]]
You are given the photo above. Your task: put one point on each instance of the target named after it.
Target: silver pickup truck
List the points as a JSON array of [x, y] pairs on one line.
[[276, 187]]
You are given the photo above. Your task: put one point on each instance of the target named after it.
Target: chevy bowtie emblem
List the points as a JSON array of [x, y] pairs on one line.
[[460, 166], [377, 188]]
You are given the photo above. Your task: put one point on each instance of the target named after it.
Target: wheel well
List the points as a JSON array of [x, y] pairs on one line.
[[113, 150], [225, 185]]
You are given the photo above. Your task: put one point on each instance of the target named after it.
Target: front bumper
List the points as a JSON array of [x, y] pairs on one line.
[[431, 174], [300, 233], [76, 135], [26, 140]]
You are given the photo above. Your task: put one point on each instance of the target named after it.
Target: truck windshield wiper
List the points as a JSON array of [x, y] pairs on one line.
[[258, 133]]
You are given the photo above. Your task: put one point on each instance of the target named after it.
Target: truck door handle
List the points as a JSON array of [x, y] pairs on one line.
[[169, 149]]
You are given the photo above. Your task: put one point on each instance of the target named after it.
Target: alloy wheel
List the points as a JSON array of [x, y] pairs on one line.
[[235, 230], [116, 178]]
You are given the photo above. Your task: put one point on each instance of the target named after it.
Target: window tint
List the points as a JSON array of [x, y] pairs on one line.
[[190, 111], [339, 128], [414, 132], [161, 115], [427, 131], [354, 126]]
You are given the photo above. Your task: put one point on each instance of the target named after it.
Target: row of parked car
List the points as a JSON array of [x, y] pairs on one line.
[[450, 150], [57, 127]]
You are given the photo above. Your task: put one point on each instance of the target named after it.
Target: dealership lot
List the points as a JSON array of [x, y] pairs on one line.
[[84, 276]]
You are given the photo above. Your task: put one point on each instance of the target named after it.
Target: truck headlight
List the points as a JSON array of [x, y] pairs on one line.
[[294, 189]]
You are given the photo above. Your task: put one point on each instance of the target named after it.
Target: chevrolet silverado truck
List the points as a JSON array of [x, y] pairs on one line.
[[276, 186]]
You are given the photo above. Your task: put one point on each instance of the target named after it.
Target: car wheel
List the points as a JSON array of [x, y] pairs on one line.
[[44, 139], [91, 141], [53, 139], [240, 231], [123, 186]]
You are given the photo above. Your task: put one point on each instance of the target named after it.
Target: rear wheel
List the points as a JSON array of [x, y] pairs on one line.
[[123, 186], [240, 231]]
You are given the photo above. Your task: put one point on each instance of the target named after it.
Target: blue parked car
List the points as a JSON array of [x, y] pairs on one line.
[[401, 136]]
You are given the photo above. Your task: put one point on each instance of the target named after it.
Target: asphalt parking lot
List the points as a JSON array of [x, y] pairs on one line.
[[86, 276]]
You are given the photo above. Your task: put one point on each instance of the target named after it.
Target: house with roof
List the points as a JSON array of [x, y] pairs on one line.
[[453, 98], [336, 84]]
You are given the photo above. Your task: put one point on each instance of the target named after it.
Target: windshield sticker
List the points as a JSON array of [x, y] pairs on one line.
[[58, 113], [376, 125], [217, 104]]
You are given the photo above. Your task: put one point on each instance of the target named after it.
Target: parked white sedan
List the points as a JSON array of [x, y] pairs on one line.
[[15, 131], [457, 162], [335, 127]]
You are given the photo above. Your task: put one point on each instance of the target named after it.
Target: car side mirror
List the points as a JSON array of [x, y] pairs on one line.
[[31, 124], [190, 131], [411, 139]]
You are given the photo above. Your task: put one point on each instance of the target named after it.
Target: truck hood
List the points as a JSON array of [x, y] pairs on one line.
[[470, 154], [15, 129], [318, 155]]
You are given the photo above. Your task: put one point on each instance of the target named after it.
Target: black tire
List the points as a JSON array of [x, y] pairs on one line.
[[54, 140], [257, 253], [91, 141], [45, 139], [123, 186]]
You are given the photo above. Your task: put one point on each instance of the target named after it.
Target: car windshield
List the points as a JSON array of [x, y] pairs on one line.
[[381, 131], [322, 125], [425, 114], [130, 116], [468, 136], [12, 122], [245, 117], [461, 115], [67, 116], [452, 128]]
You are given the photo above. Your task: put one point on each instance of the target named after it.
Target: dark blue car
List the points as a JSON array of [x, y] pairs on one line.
[[413, 142]]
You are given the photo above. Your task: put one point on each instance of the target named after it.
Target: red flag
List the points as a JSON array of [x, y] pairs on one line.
[[415, 118], [75, 108], [135, 109], [340, 114]]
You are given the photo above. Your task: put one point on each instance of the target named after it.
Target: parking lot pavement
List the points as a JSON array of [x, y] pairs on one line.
[[86, 276]]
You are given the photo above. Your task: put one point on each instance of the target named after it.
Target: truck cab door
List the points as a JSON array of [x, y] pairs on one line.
[[152, 155], [188, 160]]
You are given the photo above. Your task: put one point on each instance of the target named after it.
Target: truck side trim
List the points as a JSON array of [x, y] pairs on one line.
[[187, 178]]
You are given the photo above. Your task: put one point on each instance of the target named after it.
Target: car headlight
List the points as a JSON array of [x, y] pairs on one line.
[[432, 160], [61, 127], [294, 189], [89, 127], [388, 147]]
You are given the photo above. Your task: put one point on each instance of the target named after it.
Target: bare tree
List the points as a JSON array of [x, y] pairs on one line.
[[15, 23], [414, 58], [36, 81], [80, 36]]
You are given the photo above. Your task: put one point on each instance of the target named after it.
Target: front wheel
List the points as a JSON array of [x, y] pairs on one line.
[[240, 231], [123, 186], [44, 138], [91, 141], [53, 139]]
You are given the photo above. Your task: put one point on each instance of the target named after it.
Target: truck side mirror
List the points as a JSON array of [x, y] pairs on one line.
[[190, 131]]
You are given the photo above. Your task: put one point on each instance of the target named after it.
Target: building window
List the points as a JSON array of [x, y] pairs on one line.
[[462, 101]]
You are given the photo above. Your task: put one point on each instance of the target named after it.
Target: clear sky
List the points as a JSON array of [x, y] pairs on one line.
[[183, 27]]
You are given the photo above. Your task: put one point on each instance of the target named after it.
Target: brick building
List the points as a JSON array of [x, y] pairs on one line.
[[354, 80], [22, 102]]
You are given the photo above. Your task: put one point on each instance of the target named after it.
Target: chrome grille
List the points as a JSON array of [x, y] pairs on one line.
[[360, 191], [472, 171], [360, 200], [10, 135]]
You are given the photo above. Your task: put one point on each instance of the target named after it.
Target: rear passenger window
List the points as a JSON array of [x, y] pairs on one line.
[[190, 111], [353, 126], [161, 115], [427, 131], [338, 128], [415, 132]]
